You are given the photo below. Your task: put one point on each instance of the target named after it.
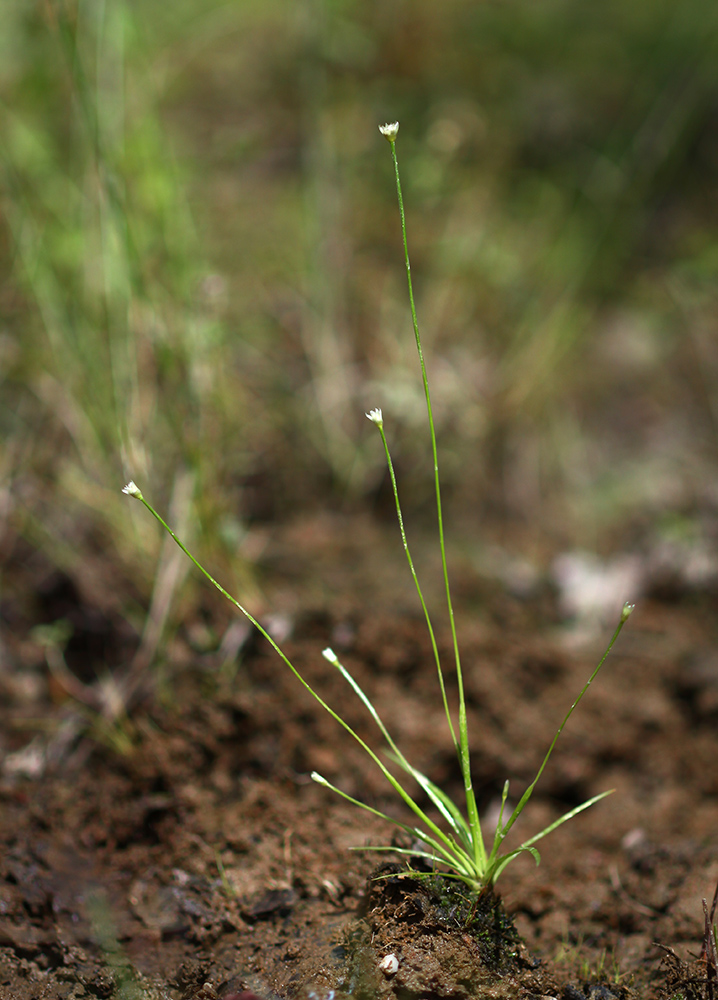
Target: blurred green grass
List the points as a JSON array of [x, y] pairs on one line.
[[202, 282]]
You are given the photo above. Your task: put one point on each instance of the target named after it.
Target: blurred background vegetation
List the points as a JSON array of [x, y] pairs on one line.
[[202, 284]]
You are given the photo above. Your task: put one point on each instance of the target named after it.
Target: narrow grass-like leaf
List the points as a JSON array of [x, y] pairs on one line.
[[625, 614], [444, 854], [445, 806], [567, 816]]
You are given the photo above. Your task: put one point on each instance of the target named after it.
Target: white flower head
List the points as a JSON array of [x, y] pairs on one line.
[[389, 131], [330, 655], [132, 490], [376, 417]]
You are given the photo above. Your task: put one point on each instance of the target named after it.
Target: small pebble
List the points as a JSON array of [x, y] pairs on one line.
[[389, 965]]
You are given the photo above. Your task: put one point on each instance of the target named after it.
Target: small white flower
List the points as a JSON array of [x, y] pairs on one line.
[[376, 417], [132, 490], [389, 131], [330, 655], [319, 779]]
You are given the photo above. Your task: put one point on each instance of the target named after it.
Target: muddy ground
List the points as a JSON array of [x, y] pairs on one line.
[[184, 852]]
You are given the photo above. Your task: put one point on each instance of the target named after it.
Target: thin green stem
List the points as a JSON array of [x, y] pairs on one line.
[[432, 636], [464, 756]]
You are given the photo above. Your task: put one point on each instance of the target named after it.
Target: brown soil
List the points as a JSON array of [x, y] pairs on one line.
[[192, 857]]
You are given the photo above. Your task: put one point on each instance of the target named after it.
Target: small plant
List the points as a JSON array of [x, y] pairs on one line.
[[460, 848]]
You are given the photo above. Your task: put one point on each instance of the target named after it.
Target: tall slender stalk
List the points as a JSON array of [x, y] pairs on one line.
[[377, 418], [390, 132]]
